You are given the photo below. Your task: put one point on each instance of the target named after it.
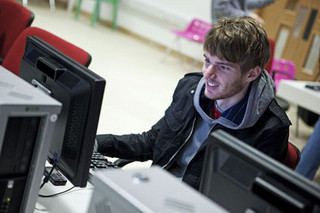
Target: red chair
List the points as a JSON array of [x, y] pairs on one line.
[[293, 156], [269, 64], [14, 18], [14, 56], [269, 68]]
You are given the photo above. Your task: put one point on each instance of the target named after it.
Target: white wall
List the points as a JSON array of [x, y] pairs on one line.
[[153, 19]]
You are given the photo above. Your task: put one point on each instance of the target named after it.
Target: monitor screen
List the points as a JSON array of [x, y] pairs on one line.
[[80, 91], [241, 178]]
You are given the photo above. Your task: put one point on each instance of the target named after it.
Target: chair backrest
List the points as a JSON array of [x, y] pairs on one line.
[[196, 30], [15, 54], [282, 69], [14, 18], [269, 64], [293, 156]]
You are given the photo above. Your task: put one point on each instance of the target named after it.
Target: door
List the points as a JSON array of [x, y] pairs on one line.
[[295, 27]]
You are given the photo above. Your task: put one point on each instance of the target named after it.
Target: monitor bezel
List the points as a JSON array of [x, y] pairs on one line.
[[269, 170]]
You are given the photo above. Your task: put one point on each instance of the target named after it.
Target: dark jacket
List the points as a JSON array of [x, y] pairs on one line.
[[268, 133]]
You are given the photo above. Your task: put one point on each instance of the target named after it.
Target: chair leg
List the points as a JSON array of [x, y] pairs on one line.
[[52, 5], [115, 13], [95, 13], [77, 11], [25, 2], [70, 5], [297, 123], [170, 48]]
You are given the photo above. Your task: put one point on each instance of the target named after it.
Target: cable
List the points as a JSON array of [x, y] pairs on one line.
[[42, 210], [53, 161], [68, 190], [56, 193], [47, 177]]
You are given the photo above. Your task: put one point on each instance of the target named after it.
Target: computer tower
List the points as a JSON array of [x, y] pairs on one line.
[[145, 191], [27, 119]]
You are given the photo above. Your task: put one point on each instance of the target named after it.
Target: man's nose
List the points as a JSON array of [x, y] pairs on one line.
[[211, 71]]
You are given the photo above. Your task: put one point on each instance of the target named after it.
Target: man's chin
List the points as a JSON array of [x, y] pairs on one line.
[[210, 95]]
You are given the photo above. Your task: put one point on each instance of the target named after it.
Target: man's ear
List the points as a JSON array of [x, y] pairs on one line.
[[253, 73]]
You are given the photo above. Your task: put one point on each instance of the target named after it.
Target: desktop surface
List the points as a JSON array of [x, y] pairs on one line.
[[297, 93], [76, 200]]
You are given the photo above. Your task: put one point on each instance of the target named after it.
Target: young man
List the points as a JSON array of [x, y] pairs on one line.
[[233, 93]]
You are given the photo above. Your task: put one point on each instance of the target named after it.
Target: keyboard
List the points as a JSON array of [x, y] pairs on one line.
[[99, 161]]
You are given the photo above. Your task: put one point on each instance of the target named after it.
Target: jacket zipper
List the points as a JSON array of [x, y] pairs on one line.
[[173, 156], [202, 145]]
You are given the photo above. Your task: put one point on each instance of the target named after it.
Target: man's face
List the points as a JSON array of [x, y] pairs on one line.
[[223, 81]]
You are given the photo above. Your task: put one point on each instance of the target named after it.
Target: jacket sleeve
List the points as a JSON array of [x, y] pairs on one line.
[[227, 8], [254, 4], [275, 145], [140, 147], [130, 146]]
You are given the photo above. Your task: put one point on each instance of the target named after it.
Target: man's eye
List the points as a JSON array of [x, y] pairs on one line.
[[206, 61], [223, 67]]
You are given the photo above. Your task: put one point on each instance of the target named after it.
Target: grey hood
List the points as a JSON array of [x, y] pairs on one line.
[[261, 94]]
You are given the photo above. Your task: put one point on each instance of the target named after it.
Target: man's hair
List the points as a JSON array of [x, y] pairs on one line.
[[240, 40]]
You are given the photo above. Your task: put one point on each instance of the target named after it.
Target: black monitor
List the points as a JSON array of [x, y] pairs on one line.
[[80, 91], [241, 178]]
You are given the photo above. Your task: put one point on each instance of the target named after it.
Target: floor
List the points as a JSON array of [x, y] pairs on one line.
[[139, 83]]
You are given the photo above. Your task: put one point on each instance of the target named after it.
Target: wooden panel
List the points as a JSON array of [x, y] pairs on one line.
[[304, 73], [274, 14], [301, 19]]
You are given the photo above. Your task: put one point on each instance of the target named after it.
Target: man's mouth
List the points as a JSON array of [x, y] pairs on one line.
[[212, 84]]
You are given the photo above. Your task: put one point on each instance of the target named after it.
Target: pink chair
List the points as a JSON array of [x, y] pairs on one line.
[[282, 69], [195, 32]]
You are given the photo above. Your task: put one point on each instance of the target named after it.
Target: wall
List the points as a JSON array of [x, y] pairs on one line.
[[153, 19]]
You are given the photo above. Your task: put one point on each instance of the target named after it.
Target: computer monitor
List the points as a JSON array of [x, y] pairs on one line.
[[80, 91], [240, 178], [27, 119]]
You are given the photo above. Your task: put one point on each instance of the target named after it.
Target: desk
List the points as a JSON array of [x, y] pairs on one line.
[[297, 93], [151, 189], [76, 200]]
